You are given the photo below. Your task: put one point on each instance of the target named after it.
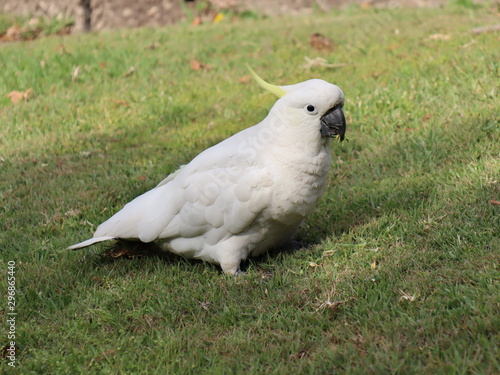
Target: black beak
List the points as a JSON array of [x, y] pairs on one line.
[[333, 123]]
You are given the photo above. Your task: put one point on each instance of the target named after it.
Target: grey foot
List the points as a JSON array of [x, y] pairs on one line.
[[239, 273]]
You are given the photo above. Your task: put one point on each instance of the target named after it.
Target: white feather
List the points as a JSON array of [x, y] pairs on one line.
[[89, 242]]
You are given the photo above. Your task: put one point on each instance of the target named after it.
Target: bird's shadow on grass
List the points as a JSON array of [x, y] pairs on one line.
[[123, 250]]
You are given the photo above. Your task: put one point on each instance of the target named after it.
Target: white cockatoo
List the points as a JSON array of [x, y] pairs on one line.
[[247, 194]]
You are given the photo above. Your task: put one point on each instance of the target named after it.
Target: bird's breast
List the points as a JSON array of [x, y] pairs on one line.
[[299, 183]]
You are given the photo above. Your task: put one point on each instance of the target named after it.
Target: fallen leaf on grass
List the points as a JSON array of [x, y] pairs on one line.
[[120, 103], [13, 31], [76, 73], [11, 34], [321, 43], [130, 71], [197, 65], [17, 96], [196, 21], [218, 18], [245, 79]]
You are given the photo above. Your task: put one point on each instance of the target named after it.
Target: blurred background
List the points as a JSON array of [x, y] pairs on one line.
[[95, 15]]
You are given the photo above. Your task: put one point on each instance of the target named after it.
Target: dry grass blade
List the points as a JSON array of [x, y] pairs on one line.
[[319, 62], [330, 304]]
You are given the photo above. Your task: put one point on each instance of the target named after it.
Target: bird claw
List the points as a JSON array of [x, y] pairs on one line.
[[239, 273]]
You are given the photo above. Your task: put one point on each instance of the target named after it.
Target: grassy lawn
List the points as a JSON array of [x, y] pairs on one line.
[[403, 273]]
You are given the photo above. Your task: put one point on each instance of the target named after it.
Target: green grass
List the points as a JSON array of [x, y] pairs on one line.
[[403, 275]]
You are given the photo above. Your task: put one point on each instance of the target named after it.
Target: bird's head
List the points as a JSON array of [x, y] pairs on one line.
[[315, 104]]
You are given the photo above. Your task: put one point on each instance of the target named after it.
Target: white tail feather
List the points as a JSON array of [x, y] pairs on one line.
[[90, 242]]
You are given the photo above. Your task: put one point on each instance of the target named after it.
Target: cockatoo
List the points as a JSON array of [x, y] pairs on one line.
[[247, 194]]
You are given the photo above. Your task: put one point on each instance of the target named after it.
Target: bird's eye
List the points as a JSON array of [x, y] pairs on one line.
[[311, 109]]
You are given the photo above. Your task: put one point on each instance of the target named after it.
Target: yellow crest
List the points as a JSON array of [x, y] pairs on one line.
[[276, 90]]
